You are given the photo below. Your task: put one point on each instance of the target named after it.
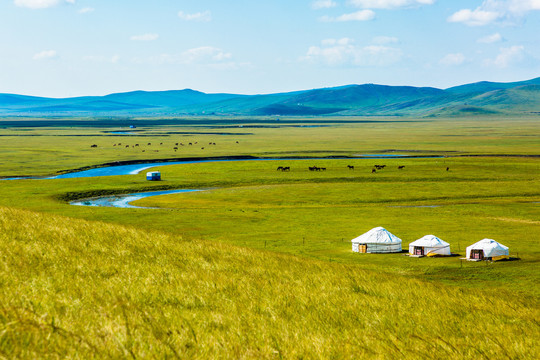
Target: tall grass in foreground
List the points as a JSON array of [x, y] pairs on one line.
[[78, 289]]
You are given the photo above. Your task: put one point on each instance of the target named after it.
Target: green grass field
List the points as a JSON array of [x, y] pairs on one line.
[[45, 150], [259, 265]]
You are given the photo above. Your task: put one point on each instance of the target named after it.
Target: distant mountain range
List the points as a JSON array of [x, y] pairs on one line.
[[482, 98]]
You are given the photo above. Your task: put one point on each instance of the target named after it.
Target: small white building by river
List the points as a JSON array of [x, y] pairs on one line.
[[153, 176]]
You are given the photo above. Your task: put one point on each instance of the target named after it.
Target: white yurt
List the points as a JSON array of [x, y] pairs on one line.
[[153, 176], [487, 249], [429, 245], [376, 240]]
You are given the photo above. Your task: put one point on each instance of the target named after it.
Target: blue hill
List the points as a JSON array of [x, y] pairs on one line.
[[487, 98]]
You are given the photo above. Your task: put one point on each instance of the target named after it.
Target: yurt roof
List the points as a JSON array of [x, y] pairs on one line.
[[487, 244], [429, 241], [377, 235]]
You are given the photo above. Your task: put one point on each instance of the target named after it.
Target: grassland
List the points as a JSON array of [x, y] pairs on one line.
[[78, 289], [45, 150], [259, 264]]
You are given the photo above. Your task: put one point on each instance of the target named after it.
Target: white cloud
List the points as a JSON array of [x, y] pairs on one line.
[[323, 4], [490, 39], [343, 52], [495, 11], [342, 41], [453, 59], [362, 15], [144, 37], [40, 4], [383, 40], [37, 4], [86, 10], [523, 6], [204, 16], [102, 59], [477, 17], [204, 55], [507, 57], [388, 4], [46, 54]]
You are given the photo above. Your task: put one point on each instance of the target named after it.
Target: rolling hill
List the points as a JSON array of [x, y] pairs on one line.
[[78, 289], [485, 98]]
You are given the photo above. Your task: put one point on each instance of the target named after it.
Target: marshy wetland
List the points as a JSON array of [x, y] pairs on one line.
[[260, 263]]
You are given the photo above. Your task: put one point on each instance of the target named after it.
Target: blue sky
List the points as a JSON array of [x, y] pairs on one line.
[[62, 48]]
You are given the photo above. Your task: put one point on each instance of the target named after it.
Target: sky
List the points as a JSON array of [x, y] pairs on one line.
[[65, 48]]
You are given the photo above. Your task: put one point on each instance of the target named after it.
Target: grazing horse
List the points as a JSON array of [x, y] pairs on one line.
[[149, 143], [351, 167], [190, 144], [286, 168], [136, 144], [400, 167], [93, 146], [447, 168], [175, 148], [280, 168], [323, 169], [176, 144], [127, 146], [373, 170]]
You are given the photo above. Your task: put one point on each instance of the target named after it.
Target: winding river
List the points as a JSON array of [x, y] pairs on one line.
[[132, 169], [123, 201]]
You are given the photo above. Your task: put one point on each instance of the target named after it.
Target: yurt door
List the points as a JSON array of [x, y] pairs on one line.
[[418, 250], [477, 254], [362, 248]]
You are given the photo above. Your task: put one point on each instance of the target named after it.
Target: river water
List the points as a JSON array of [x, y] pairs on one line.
[[123, 201], [132, 169]]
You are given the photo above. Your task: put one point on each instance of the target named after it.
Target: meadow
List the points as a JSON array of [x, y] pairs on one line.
[[259, 264], [43, 150]]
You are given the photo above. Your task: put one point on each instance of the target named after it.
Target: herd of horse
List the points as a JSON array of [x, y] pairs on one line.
[[175, 148], [350, 167]]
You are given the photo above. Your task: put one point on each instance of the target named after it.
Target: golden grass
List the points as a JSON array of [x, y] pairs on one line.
[[77, 289]]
